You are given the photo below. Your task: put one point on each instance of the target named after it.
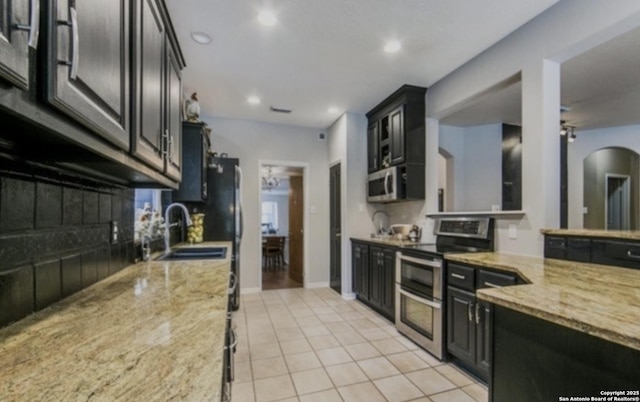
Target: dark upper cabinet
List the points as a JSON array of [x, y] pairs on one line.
[[157, 65], [396, 137], [108, 96], [173, 122], [149, 63], [88, 64], [16, 31], [195, 146], [396, 133], [373, 147]]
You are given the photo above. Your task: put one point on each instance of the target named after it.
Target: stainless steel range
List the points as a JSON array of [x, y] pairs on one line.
[[420, 278]]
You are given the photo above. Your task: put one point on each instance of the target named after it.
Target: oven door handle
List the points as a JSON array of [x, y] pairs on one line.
[[419, 299], [436, 263]]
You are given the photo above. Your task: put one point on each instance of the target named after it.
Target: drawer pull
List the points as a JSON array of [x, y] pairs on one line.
[[458, 276], [631, 255], [491, 285]]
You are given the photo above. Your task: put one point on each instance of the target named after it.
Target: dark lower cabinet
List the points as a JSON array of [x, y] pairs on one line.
[[607, 251], [469, 320], [537, 361], [16, 294], [360, 267], [469, 331], [484, 326], [461, 332], [374, 277]]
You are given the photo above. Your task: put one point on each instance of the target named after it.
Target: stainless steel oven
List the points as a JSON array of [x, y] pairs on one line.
[[419, 311], [420, 287]]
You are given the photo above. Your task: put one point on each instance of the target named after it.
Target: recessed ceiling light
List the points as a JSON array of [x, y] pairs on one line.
[[254, 100], [333, 110], [392, 46], [201, 37], [267, 18]]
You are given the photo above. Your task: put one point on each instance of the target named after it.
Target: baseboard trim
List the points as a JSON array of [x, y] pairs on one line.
[[349, 296], [316, 285], [246, 291]]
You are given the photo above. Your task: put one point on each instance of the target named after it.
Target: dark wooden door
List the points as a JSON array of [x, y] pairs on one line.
[[173, 123], [149, 67], [296, 229], [88, 64], [396, 132], [335, 229], [387, 280], [461, 330], [373, 147], [14, 51]]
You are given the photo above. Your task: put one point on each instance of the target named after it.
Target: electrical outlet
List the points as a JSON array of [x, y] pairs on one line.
[[114, 232], [513, 231]]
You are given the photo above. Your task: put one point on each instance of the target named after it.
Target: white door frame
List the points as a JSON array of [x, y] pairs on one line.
[[627, 200], [305, 218]]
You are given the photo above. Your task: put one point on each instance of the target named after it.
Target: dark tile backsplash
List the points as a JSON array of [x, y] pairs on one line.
[[55, 239]]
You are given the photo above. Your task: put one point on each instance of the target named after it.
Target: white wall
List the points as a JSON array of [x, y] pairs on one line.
[[477, 161], [586, 143], [282, 200], [535, 50], [252, 142], [347, 139]]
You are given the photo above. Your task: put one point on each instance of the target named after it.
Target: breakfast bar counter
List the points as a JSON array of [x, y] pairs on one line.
[[601, 300], [572, 330], [153, 331]]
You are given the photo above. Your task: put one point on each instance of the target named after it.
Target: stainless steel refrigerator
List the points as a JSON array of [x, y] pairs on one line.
[[223, 212]]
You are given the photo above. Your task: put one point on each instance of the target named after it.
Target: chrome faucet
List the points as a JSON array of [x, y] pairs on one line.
[[373, 219], [167, 248]]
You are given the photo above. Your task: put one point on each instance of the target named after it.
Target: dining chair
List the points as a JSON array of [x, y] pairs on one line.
[[272, 250]]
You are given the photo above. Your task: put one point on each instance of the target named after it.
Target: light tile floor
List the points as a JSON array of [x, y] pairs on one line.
[[312, 345]]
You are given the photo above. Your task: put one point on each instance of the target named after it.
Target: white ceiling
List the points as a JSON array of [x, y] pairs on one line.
[[601, 87], [326, 53]]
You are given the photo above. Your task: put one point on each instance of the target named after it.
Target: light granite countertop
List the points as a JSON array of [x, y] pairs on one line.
[[609, 234], [391, 242], [151, 332], [601, 300]]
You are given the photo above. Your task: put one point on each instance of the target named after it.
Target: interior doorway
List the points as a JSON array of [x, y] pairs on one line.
[[617, 202], [282, 225]]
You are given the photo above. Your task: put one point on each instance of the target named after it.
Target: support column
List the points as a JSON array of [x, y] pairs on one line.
[[540, 153]]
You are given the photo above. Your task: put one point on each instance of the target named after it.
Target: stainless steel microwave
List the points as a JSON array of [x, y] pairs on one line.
[[384, 185]]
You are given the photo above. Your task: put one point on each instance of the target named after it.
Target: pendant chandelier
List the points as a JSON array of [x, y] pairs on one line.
[[269, 182]]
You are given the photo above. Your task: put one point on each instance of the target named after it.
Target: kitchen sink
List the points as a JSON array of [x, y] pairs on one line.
[[195, 253]]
